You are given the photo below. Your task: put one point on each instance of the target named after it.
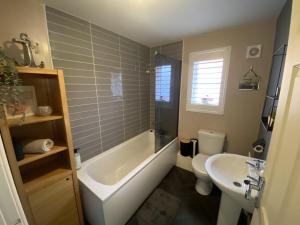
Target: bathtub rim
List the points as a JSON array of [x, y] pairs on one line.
[[103, 191]]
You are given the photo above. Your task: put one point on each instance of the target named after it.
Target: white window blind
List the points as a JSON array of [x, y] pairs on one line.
[[163, 83], [207, 80]]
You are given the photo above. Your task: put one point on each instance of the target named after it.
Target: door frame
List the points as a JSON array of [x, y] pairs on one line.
[[10, 182]]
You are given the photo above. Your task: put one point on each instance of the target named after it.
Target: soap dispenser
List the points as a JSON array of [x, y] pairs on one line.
[[77, 158]]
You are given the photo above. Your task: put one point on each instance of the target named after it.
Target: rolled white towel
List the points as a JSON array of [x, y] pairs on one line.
[[37, 146]]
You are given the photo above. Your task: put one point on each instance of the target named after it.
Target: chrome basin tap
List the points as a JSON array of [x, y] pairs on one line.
[[255, 184], [257, 164]]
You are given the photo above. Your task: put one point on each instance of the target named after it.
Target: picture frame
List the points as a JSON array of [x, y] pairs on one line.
[[28, 103]]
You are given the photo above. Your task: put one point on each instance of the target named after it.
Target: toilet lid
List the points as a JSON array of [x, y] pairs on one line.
[[198, 163]]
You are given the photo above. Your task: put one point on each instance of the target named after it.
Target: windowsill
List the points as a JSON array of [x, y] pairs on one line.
[[220, 113]]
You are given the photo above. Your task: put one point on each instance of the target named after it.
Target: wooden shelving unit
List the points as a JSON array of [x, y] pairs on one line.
[[40, 178]]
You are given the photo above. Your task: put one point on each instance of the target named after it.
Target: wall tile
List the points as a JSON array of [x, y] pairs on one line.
[[83, 114], [65, 15], [64, 47], [56, 54], [78, 73], [68, 40], [67, 22], [72, 64], [93, 59], [57, 28], [79, 80], [104, 49]]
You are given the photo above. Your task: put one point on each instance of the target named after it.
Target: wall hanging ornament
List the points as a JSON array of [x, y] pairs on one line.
[[250, 80], [28, 45]]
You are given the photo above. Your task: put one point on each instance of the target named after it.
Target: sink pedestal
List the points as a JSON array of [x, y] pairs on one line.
[[228, 172], [229, 211]]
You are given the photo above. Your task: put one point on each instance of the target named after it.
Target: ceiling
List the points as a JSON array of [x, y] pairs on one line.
[[155, 22]]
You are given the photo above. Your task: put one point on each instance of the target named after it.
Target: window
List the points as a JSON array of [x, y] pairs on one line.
[[163, 83], [208, 71]]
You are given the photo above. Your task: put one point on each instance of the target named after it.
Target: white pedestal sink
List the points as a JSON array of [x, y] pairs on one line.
[[228, 172]]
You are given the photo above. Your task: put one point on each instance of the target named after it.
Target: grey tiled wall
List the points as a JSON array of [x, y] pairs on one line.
[[173, 50], [95, 61]]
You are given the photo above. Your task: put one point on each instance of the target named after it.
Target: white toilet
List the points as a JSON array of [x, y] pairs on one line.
[[209, 143]]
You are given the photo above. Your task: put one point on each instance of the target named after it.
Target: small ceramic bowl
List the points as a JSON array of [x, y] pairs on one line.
[[44, 110]]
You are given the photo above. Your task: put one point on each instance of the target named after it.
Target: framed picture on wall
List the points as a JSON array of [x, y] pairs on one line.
[[27, 103]]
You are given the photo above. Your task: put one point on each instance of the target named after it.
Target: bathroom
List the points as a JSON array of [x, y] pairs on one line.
[[146, 112]]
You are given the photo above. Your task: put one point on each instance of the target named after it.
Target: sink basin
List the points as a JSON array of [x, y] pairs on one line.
[[228, 172]]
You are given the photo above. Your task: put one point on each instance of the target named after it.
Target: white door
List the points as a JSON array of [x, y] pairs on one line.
[[280, 204], [11, 212]]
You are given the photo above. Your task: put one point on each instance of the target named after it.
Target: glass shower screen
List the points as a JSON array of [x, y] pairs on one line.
[[167, 92]]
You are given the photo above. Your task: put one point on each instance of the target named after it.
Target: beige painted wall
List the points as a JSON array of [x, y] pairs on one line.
[[26, 16], [242, 113]]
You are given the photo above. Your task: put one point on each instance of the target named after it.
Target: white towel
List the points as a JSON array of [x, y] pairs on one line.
[[37, 146]]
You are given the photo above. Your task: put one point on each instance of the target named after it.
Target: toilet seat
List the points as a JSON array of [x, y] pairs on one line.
[[198, 164]]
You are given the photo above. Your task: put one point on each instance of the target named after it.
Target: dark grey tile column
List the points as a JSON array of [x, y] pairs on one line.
[[130, 73], [144, 88]]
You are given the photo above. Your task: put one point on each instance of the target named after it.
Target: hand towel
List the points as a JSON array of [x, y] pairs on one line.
[[37, 146]]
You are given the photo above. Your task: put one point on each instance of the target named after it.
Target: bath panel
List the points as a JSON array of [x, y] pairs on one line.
[[114, 184]]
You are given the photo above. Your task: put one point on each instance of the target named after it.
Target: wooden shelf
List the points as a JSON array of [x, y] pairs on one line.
[[32, 119], [42, 71], [28, 158]]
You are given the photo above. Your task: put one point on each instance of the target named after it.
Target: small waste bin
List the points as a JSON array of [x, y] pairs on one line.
[[187, 147]]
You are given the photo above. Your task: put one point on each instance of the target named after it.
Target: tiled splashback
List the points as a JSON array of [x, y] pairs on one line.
[[173, 50], [108, 89]]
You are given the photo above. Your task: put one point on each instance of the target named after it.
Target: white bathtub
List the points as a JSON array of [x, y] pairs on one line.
[[115, 183]]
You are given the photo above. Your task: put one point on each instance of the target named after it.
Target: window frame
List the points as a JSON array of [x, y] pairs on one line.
[[210, 54]]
